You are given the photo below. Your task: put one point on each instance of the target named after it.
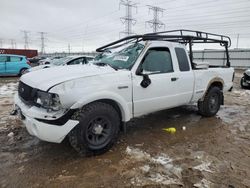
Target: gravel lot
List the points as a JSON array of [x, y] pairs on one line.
[[211, 152]]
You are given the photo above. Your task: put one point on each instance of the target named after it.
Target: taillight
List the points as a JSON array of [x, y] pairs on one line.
[[28, 63]]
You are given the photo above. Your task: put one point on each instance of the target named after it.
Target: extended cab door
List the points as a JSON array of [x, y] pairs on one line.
[[185, 74], [158, 74]]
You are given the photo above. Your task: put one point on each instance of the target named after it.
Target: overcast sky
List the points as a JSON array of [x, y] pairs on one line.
[[88, 24]]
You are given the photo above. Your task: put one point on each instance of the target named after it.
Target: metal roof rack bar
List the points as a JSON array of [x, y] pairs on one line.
[[183, 36]]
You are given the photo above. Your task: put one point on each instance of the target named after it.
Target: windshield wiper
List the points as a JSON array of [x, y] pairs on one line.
[[104, 64]]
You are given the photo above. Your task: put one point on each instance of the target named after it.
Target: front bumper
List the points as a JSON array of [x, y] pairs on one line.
[[44, 131]]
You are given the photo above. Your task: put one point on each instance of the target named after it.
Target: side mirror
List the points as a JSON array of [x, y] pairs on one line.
[[146, 81]]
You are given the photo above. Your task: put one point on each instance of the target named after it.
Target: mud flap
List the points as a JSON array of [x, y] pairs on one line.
[[124, 127], [222, 99]]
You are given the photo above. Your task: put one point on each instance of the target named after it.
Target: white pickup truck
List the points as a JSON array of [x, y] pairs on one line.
[[90, 104]]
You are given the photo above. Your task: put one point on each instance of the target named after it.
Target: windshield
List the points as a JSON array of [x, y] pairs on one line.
[[61, 61], [123, 59]]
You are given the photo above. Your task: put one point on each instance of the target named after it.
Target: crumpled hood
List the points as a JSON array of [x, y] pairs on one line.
[[46, 78]]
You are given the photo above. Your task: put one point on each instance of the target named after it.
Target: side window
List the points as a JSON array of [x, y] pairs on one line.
[[3, 58], [157, 60], [182, 59], [77, 61], [15, 59], [88, 59]]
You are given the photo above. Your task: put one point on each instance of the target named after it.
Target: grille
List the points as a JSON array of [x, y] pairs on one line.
[[26, 92], [246, 77]]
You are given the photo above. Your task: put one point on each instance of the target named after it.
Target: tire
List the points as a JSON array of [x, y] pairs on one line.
[[241, 83], [22, 71], [97, 130], [211, 103]]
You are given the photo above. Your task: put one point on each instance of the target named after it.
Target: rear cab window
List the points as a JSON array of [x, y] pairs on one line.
[[182, 59]]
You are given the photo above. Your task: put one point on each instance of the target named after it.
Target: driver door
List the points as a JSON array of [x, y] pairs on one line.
[[161, 93]]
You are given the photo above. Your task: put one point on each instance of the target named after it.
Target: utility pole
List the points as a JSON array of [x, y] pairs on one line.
[[128, 20], [42, 37], [69, 48], [155, 23], [26, 39], [237, 44], [1, 43]]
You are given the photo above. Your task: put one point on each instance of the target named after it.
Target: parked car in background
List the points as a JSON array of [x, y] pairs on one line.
[[35, 60], [13, 65], [69, 60], [48, 60], [245, 80]]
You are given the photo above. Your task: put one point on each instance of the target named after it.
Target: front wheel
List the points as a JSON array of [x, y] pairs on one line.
[[211, 103], [97, 130]]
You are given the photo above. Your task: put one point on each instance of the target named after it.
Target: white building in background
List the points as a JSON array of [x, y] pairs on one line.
[[238, 57]]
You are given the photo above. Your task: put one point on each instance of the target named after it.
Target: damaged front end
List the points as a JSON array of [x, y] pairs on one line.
[[43, 114]]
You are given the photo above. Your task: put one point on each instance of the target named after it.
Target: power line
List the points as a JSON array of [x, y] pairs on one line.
[[155, 23], [42, 41], [128, 20], [26, 39]]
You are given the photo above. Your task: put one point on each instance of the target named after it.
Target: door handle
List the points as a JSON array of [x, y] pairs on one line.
[[174, 79]]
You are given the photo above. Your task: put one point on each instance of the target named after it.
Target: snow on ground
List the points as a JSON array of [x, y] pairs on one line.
[[161, 169], [8, 89], [158, 169]]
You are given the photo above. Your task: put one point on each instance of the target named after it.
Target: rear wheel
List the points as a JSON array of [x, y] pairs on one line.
[[97, 130], [211, 103]]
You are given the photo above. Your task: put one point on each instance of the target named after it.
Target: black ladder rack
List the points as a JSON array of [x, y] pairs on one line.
[[182, 36]]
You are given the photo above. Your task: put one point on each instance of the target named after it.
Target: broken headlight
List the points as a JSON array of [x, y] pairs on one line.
[[49, 101]]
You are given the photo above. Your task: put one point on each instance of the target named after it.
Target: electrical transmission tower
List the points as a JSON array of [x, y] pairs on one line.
[[26, 39], [42, 34], [13, 43], [1, 43], [128, 20], [69, 48], [155, 23]]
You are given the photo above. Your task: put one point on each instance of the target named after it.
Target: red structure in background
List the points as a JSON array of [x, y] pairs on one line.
[[27, 53]]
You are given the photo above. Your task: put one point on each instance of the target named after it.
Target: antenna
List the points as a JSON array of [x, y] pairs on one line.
[[155, 23], [128, 20]]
